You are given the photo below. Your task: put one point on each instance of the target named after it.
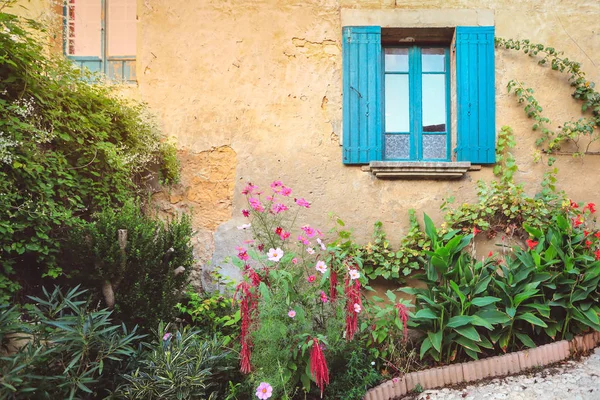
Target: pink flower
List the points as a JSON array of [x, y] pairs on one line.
[[286, 191], [264, 391], [291, 313], [249, 189], [302, 203], [278, 207], [303, 240], [321, 266], [244, 226], [277, 186], [310, 232], [275, 254], [284, 235], [278, 230], [354, 274], [246, 213], [242, 254], [310, 250], [256, 204], [324, 298], [357, 308], [167, 336], [311, 278], [323, 247], [295, 260]]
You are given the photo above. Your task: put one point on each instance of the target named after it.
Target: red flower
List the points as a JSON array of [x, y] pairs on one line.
[[311, 278], [261, 247], [476, 231], [597, 234], [246, 213], [490, 254], [278, 230], [318, 366], [591, 207], [403, 315], [577, 221], [588, 244], [531, 244], [597, 254], [585, 233], [248, 308], [573, 204], [352, 291]]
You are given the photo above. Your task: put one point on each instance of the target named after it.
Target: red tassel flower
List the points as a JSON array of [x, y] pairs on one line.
[[353, 306], [318, 365], [403, 315], [248, 306], [333, 281]]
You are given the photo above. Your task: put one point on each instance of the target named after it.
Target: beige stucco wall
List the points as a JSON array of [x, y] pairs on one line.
[[251, 91]]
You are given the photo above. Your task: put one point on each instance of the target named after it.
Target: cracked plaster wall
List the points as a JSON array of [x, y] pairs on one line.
[[251, 91]]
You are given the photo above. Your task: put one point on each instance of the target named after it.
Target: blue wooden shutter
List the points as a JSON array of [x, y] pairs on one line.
[[475, 83], [361, 49]]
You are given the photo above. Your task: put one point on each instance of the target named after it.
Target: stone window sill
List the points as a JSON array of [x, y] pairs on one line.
[[419, 170]]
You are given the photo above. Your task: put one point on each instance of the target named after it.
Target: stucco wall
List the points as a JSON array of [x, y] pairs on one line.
[[253, 89]]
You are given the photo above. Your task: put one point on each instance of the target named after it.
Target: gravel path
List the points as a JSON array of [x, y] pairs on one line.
[[571, 380]]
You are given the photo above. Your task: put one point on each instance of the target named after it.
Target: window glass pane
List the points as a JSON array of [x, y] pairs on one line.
[[396, 60], [397, 146], [433, 60], [434, 147], [396, 103], [434, 103], [84, 28], [121, 27]]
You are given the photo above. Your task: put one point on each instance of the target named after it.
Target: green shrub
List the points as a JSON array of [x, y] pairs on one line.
[[354, 375], [72, 352], [183, 365], [67, 149], [142, 275]]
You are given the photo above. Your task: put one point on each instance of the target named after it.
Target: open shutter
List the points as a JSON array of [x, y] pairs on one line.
[[475, 94], [361, 49]]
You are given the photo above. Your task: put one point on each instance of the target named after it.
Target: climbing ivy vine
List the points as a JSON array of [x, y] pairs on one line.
[[583, 132]]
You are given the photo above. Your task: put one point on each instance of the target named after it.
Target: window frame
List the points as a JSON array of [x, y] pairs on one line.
[[123, 66], [415, 84]]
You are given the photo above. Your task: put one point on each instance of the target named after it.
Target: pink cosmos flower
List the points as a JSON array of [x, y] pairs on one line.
[[167, 336], [321, 266], [323, 247], [277, 186], [310, 232], [270, 198], [249, 189], [278, 207], [357, 308], [275, 254], [256, 204], [303, 203], [284, 235], [286, 191], [304, 240], [324, 298], [295, 260], [242, 254], [311, 278], [264, 391], [354, 274], [310, 250], [291, 313], [246, 213]]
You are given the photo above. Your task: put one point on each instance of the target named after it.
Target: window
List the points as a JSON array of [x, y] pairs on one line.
[[416, 103], [397, 98], [101, 35]]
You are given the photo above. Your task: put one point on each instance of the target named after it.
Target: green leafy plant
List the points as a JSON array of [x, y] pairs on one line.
[[381, 260], [180, 365], [353, 377], [67, 150], [140, 264], [72, 352]]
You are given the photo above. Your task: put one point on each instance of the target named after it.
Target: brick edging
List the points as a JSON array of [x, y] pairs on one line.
[[507, 364]]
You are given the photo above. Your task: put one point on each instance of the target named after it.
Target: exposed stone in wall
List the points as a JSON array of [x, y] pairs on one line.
[[206, 192]]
